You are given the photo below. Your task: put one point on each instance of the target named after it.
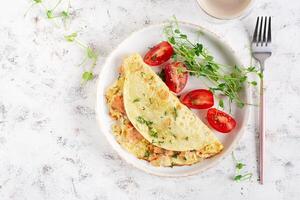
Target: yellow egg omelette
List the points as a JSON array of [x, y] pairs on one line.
[[151, 122]]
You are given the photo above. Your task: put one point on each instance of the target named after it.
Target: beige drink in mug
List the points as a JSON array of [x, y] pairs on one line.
[[225, 9]]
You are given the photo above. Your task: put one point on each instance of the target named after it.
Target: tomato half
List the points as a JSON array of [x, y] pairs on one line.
[[159, 54], [198, 99], [220, 120], [176, 76]]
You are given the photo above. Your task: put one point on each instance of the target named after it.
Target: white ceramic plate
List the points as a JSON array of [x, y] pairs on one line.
[[139, 42]]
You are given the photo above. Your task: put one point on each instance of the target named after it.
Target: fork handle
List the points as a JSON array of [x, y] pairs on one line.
[[261, 129]]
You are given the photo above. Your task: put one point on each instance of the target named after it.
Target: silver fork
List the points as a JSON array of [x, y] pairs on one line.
[[261, 50]]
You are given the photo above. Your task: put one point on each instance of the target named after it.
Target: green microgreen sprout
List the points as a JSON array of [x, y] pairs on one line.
[[200, 63], [239, 166], [90, 55]]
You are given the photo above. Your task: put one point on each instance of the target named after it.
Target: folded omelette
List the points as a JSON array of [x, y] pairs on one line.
[[151, 122]]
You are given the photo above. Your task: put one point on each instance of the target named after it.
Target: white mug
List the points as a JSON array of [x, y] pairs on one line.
[[226, 9]]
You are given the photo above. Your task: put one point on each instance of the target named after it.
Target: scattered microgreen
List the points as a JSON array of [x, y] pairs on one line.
[[136, 100], [49, 14], [200, 63], [90, 54], [239, 166], [64, 15], [71, 37]]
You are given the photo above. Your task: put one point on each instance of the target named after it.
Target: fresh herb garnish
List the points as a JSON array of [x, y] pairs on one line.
[[238, 168], [142, 74], [150, 100], [143, 121], [201, 64], [152, 132], [136, 100], [176, 153], [148, 123], [64, 15], [175, 113], [147, 154], [90, 55]]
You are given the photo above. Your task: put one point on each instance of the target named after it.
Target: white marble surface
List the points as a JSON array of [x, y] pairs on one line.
[[51, 146]]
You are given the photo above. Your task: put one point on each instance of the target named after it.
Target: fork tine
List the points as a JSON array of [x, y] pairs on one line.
[[265, 30], [260, 29], [269, 31], [255, 31]]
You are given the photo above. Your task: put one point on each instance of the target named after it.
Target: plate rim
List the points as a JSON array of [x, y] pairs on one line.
[[209, 165]]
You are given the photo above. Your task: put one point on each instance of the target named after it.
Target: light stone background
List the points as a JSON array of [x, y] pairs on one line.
[[51, 146]]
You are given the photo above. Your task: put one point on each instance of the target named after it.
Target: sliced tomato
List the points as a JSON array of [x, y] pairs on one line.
[[220, 120], [176, 76], [198, 99], [159, 54]]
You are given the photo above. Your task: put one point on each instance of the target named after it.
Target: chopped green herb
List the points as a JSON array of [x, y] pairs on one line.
[[148, 123], [186, 138], [176, 153], [136, 100], [175, 113], [150, 100], [161, 74], [152, 132], [143, 121], [71, 37], [142, 74], [147, 154]]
